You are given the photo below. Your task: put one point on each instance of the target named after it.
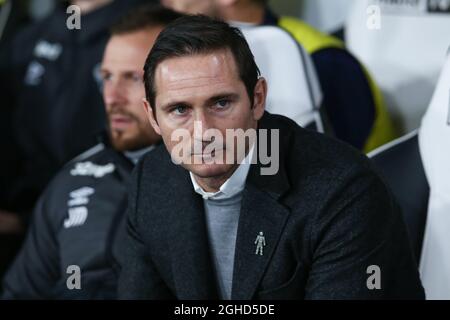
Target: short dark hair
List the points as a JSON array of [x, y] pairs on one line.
[[199, 34], [144, 17]]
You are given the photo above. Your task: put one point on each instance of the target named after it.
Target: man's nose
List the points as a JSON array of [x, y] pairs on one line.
[[202, 122], [114, 93]]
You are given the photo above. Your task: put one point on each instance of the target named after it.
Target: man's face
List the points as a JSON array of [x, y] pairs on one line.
[[123, 91], [207, 7], [204, 89]]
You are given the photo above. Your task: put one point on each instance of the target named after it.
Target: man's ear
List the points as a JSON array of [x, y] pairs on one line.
[[151, 116], [259, 99]]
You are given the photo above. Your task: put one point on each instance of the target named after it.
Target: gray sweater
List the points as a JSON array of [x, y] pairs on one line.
[[222, 217]]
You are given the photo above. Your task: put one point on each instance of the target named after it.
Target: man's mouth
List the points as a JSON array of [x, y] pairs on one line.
[[120, 122], [212, 154]]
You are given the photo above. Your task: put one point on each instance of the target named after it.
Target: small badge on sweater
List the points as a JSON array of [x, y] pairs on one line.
[[260, 243]]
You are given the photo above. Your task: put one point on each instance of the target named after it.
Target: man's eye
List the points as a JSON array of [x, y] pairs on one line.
[[106, 77], [136, 78], [179, 110], [222, 104]]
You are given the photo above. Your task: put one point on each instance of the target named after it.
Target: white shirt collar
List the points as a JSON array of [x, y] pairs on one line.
[[234, 185]]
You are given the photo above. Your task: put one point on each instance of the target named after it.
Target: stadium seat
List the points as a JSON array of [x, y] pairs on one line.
[[327, 16], [417, 169], [294, 89], [403, 44]]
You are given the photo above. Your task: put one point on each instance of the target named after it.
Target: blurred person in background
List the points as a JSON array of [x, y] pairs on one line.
[[51, 94], [12, 16], [80, 212], [353, 102]]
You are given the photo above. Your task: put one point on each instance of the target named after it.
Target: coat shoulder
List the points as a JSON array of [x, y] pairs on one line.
[[304, 151]]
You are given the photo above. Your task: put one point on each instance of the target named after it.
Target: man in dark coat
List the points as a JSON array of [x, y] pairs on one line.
[[271, 211]]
